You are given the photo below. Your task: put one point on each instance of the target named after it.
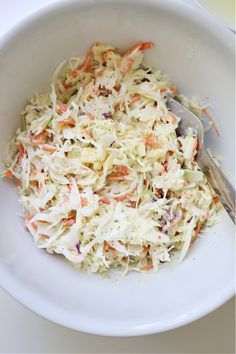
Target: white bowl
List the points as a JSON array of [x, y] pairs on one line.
[[198, 55]]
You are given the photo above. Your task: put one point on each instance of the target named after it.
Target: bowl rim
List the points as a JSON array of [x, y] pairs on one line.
[[7, 280]]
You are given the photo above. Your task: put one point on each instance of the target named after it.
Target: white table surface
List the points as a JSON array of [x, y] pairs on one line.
[[21, 331]]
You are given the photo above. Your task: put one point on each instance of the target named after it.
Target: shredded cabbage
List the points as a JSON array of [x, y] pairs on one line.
[[103, 178]]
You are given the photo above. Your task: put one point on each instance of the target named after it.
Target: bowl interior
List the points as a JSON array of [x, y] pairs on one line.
[[198, 57]]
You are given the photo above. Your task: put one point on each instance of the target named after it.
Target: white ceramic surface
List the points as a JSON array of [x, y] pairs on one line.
[[199, 58]]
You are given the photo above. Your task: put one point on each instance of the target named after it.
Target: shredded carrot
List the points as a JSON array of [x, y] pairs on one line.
[[148, 266], [21, 151], [108, 246], [69, 121], [28, 217], [116, 176], [33, 183], [90, 115], [165, 166], [171, 118], [105, 200], [88, 58], [68, 222], [8, 173], [61, 107], [216, 199], [211, 119], [34, 225], [197, 229], [116, 107], [173, 90], [48, 148], [44, 236], [74, 73], [106, 55], [132, 204], [159, 191], [196, 144], [146, 248], [66, 85], [88, 133], [38, 139], [117, 87], [151, 141], [84, 202], [40, 185], [119, 175], [145, 45], [71, 219], [127, 66], [140, 46], [121, 198], [135, 97], [122, 169]]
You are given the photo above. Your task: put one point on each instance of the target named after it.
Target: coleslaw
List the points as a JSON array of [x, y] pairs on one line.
[[102, 175]]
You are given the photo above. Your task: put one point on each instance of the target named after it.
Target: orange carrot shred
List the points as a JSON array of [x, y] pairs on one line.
[[122, 169], [84, 202], [127, 66], [74, 73], [44, 236], [48, 148], [151, 141], [211, 119], [34, 225], [88, 133], [165, 166], [62, 107], [148, 266], [40, 137], [135, 97], [173, 90], [116, 177], [105, 200], [8, 173], [116, 107], [68, 222], [140, 46], [21, 151], [108, 246], [121, 198], [66, 85], [171, 118], [90, 115], [117, 87], [69, 121]]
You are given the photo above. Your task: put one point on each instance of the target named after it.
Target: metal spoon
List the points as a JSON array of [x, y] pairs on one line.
[[216, 179]]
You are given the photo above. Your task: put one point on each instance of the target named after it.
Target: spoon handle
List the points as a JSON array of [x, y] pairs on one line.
[[218, 181]]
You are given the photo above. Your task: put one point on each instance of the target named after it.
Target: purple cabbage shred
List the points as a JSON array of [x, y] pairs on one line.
[[106, 115], [78, 247]]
